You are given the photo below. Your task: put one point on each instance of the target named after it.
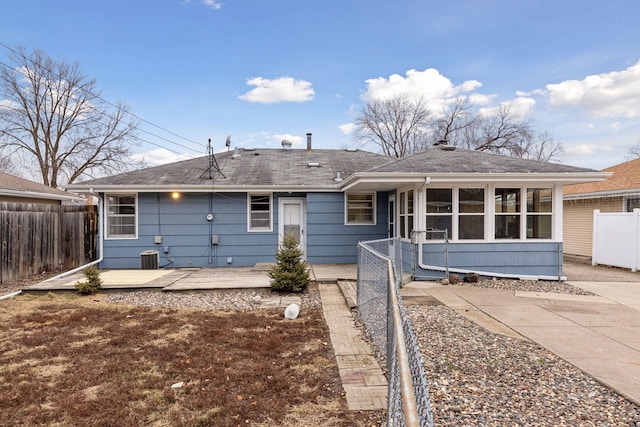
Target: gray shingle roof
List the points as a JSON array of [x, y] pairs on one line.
[[260, 166], [279, 167], [459, 160]]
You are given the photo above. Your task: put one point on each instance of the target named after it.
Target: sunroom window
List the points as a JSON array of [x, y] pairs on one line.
[[406, 214], [439, 209], [471, 213], [121, 216], [539, 212], [507, 213]]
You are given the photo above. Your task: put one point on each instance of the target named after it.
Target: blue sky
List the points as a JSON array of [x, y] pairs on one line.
[[262, 71]]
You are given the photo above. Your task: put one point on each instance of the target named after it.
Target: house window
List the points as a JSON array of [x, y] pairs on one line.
[[260, 207], [470, 213], [633, 204], [121, 216], [439, 209], [360, 208], [507, 213], [539, 203], [406, 214]]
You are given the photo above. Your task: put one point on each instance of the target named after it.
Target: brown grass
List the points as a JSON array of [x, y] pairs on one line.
[[79, 361]]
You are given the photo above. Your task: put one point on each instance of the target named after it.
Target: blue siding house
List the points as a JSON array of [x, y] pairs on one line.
[[503, 215]]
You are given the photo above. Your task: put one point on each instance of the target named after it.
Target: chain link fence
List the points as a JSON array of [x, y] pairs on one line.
[[380, 309], [430, 254]]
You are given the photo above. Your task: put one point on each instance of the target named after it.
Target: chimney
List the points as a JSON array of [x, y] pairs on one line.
[[309, 142]]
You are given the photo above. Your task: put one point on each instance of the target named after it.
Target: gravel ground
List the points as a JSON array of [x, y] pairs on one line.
[[530, 285], [477, 378], [231, 300]]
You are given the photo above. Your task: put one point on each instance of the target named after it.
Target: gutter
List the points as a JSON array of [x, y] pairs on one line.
[[601, 194], [38, 195]]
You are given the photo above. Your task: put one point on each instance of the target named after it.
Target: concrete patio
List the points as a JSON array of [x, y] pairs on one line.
[[190, 279]]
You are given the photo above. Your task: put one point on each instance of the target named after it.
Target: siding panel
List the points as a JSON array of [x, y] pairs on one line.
[[187, 233], [578, 222], [523, 258]]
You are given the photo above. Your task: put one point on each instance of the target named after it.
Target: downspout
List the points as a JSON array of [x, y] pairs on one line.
[[100, 246]]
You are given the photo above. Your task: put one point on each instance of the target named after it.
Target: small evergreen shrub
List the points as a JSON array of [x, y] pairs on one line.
[[289, 274], [93, 283]]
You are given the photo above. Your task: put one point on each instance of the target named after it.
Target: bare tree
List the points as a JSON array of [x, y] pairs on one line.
[[6, 165], [542, 147], [502, 132], [399, 125], [634, 152], [454, 122], [52, 116]]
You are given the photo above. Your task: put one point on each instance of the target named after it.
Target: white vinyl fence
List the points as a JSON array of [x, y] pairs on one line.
[[616, 239]]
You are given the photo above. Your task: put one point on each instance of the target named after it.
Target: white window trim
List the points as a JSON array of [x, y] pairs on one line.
[[456, 213], [106, 217], [406, 214], [538, 214], [420, 212], [260, 229], [374, 207]]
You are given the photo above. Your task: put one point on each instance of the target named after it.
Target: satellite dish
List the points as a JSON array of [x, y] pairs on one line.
[[228, 142]]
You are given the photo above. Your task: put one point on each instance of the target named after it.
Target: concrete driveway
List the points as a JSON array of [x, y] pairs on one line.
[[598, 334]]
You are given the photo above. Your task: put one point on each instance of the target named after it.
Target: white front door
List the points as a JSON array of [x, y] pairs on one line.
[[292, 219]]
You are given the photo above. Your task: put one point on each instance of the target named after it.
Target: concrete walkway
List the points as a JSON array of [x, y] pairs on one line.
[[600, 335], [364, 383]]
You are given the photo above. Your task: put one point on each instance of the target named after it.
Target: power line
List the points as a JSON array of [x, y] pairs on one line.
[[117, 107]]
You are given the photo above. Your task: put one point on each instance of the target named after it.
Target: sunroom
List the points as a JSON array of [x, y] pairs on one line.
[[501, 223]]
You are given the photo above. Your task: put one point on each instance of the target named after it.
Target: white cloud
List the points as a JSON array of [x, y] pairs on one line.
[[613, 94], [521, 106], [587, 149], [159, 156], [347, 128], [434, 88], [283, 89], [581, 149], [8, 104], [213, 4]]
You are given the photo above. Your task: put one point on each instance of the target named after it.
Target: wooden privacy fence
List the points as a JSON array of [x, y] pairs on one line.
[[616, 239], [36, 238]]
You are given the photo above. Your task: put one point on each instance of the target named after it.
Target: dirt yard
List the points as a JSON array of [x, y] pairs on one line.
[[68, 360]]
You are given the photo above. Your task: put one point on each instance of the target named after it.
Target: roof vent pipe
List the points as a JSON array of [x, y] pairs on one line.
[[236, 154], [338, 177], [309, 141]]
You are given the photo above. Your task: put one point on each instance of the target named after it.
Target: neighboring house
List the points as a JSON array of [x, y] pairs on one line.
[[503, 214], [20, 190], [619, 192]]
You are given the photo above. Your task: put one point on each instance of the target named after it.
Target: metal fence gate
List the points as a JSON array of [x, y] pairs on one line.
[[430, 254], [380, 308]]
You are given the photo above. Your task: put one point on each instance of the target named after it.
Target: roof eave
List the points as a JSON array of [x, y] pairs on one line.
[[201, 188], [602, 194], [564, 178], [38, 195]]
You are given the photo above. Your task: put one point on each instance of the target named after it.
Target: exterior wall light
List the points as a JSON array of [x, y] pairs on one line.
[[175, 195]]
